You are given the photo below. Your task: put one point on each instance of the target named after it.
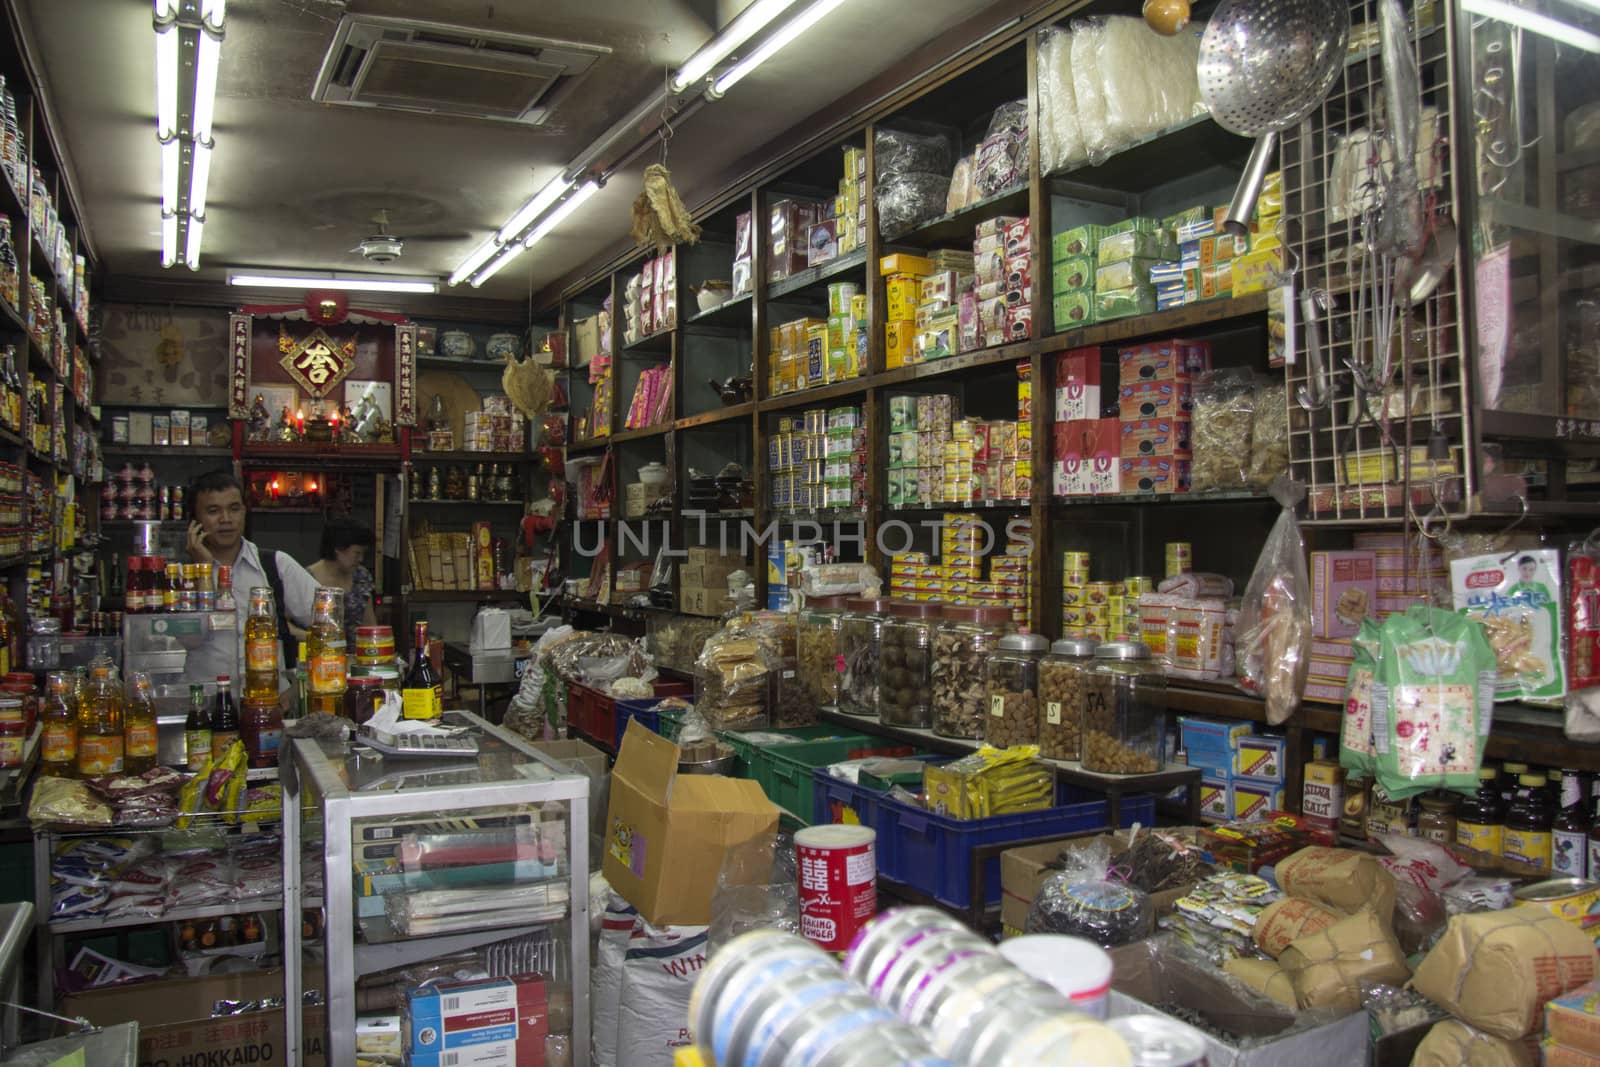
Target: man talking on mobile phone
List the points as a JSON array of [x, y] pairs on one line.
[[216, 535]]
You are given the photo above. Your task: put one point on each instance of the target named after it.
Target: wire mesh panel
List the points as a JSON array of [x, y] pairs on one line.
[[1377, 393]]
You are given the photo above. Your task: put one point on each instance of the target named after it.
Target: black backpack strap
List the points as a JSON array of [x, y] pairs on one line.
[[269, 567]]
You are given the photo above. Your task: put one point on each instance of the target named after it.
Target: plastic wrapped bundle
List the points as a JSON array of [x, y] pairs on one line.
[[1088, 87], [910, 198], [1081, 900], [1060, 137], [961, 186], [1224, 412], [1166, 90], [898, 152], [1002, 158]]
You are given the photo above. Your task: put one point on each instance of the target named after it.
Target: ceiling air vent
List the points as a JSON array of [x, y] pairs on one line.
[[412, 65]]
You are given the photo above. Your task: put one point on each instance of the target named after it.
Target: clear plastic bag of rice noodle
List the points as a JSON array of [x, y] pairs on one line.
[[1224, 413], [1060, 136]]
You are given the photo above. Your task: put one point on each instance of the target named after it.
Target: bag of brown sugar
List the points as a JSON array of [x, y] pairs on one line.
[[1495, 969], [1266, 978], [1328, 967], [1452, 1043], [1344, 880], [1286, 920]]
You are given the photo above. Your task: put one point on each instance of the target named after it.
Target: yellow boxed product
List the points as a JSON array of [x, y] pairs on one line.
[[905, 263], [900, 343], [902, 292], [1257, 271], [1216, 280]]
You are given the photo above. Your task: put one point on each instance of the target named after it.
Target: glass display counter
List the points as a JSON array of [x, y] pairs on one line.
[[426, 857]]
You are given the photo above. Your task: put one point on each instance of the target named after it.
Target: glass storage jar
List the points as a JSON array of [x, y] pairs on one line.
[[791, 704], [906, 664], [960, 645], [1124, 710], [860, 633], [1061, 680], [819, 649], [44, 644], [1011, 688]]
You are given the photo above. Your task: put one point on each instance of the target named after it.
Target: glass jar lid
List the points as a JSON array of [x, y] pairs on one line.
[[827, 604], [915, 609], [1122, 650], [867, 605], [1081, 647], [1023, 643]]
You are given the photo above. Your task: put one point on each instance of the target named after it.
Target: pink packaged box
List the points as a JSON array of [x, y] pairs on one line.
[[1158, 474], [970, 329], [1151, 400], [1019, 322], [997, 226], [1155, 437], [1078, 384], [1017, 237], [1344, 590]]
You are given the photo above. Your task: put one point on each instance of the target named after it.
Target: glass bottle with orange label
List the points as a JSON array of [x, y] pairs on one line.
[[58, 717], [261, 647], [141, 746], [326, 665], [100, 726]]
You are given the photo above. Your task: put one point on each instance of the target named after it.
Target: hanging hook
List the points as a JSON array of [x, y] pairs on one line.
[[1522, 499]]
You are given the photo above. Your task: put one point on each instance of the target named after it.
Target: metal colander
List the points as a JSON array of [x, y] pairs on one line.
[[1264, 64]]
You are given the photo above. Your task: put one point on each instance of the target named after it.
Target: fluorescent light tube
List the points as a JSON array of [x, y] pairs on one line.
[[346, 282], [214, 11], [772, 45], [191, 254], [499, 262], [475, 259], [166, 82], [559, 215], [532, 209], [745, 25], [205, 85], [1553, 28], [166, 9], [169, 240], [199, 175], [170, 152]]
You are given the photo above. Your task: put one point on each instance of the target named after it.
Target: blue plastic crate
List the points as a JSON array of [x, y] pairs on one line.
[[933, 853], [642, 709], [834, 800]]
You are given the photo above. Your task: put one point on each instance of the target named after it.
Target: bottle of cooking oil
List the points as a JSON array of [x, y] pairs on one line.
[[141, 745], [261, 647], [58, 719], [100, 726], [325, 652]]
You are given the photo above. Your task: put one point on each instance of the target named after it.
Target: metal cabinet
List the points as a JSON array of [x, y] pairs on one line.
[[519, 823]]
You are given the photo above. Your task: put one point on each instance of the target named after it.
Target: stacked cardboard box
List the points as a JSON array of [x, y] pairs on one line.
[[1002, 279], [450, 561], [937, 457], [1155, 397], [1242, 774], [818, 460], [839, 228], [652, 298], [789, 223], [805, 353], [1123, 259], [1383, 574], [1072, 267], [924, 321], [637, 497], [957, 574], [499, 427], [703, 580], [1085, 449]]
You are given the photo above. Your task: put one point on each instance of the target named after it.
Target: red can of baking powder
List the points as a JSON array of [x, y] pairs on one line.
[[838, 867]]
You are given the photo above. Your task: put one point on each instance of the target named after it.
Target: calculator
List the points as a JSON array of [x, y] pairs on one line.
[[429, 746]]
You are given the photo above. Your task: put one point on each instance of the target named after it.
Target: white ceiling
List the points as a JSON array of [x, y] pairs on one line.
[[294, 183]]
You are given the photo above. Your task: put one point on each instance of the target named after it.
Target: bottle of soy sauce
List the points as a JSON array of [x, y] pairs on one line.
[[1569, 835], [1529, 822]]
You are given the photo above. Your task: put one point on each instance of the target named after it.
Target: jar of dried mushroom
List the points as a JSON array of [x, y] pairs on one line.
[[1011, 688], [1061, 685], [817, 635], [960, 645], [1124, 710], [860, 634], [906, 663]]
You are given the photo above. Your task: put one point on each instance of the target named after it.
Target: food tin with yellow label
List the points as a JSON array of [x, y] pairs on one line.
[[1577, 900]]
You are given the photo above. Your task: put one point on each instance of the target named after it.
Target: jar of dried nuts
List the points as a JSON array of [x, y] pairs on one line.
[[819, 648], [860, 633], [960, 645], [1011, 687], [1124, 710], [1061, 696], [906, 660]]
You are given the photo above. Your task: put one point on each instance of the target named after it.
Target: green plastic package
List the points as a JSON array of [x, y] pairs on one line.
[[1433, 702], [1356, 745]]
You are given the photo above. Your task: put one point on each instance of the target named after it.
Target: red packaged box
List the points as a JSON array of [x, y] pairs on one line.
[[1169, 360], [1087, 460], [1158, 474], [1155, 400], [1019, 322], [1156, 437], [1078, 384]]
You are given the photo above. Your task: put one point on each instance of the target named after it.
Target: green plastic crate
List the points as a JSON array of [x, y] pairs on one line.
[[668, 723], [788, 780], [752, 763]]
